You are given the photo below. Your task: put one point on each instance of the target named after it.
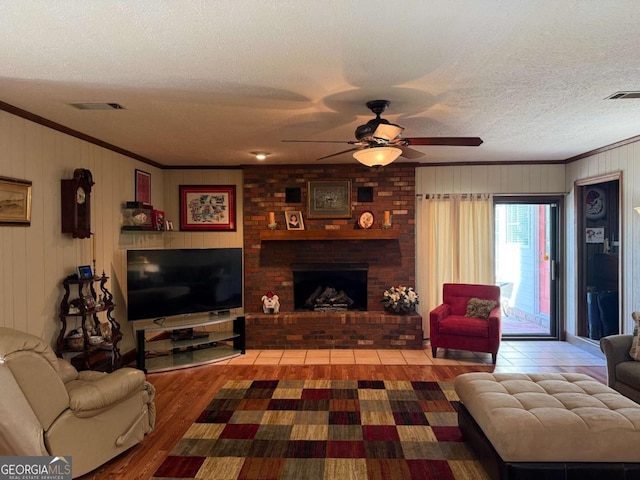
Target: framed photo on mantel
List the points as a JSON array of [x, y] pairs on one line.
[[294, 220], [329, 199]]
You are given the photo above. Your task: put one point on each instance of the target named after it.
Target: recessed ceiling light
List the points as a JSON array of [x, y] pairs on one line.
[[97, 106], [260, 155]]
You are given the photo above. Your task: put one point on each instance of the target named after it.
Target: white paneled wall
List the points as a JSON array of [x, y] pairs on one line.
[[508, 179], [35, 259], [625, 159], [169, 201], [172, 181]]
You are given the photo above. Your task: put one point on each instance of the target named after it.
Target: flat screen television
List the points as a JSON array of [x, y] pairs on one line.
[[166, 283]]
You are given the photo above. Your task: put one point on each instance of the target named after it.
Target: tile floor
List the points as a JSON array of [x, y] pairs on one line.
[[513, 356]]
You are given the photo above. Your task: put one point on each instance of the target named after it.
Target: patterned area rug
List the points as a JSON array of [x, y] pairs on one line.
[[326, 429]]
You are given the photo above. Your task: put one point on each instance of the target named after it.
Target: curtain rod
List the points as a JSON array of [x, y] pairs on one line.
[[449, 195], [446, 195]]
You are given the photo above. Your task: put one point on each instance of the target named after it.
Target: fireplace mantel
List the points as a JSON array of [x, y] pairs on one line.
[[343, 234]]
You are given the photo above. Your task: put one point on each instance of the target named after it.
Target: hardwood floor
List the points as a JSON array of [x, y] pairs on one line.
[[183, 394]]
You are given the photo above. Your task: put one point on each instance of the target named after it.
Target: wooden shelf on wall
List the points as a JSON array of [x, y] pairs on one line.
[[297, 235]]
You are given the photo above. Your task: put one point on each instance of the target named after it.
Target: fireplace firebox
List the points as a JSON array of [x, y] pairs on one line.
[[330, 286]]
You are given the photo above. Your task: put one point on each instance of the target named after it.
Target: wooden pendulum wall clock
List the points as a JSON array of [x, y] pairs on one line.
[[76, 203]]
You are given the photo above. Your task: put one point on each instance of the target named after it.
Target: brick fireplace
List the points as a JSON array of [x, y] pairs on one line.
[[268, 263]]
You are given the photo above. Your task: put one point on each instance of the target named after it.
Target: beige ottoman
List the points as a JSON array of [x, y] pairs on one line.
[[549, 424]]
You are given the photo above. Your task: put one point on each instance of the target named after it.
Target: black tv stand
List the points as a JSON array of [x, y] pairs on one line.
[[187, 334]]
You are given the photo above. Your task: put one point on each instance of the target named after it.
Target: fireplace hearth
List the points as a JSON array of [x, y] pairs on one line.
[[330, 286]]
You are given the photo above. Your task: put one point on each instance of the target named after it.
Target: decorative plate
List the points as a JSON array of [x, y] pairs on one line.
[[365, 220]]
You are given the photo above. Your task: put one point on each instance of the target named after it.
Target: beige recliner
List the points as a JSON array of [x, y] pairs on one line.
[[623, 372], [47, 407]]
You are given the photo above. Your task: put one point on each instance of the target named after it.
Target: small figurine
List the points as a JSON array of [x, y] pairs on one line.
[[270, 303]]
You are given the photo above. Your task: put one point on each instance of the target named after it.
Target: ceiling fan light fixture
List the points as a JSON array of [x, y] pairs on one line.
[[387, 132], [377, 156]]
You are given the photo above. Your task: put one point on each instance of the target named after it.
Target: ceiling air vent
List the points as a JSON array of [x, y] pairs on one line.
[[97, 106], [620, 95]]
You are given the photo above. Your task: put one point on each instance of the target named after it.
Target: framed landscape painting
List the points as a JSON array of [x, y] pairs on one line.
[[208, 207], [15, 201], [329, 199]]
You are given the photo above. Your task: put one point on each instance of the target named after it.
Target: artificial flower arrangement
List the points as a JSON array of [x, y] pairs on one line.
[[400, 299]]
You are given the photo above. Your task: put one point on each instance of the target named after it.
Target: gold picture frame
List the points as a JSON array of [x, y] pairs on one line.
[[294, 220], [329, 199], [15, 201]]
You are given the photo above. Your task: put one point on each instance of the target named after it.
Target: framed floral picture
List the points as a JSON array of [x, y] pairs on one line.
[[329, 199], [207, 207]]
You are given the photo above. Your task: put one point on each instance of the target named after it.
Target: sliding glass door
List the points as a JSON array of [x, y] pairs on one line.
[[526, 264]]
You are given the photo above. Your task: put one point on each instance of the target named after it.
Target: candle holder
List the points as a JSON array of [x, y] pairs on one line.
[[386, 223], [273, 226]]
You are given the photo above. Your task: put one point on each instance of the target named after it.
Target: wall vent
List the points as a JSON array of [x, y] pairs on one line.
[[97, 106], [621, 95]]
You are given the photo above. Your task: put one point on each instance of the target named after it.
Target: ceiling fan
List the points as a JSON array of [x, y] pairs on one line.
[[379, 142]]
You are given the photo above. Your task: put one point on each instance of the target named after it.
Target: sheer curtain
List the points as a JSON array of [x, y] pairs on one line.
[[454, 244]]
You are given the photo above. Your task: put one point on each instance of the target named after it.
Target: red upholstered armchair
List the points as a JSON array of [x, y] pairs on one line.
[[450, 328]]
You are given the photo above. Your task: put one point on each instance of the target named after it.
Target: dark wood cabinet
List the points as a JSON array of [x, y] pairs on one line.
[[89, 311]]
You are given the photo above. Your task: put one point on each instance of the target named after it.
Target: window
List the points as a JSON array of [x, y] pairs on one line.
[[518, 224]]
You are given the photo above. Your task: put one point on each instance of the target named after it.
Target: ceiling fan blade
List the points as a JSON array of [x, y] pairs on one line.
[[338, 153], [410, 153], [350, 142], [448, 141]]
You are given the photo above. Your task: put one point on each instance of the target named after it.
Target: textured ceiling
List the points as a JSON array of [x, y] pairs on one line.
[[208, 82]]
